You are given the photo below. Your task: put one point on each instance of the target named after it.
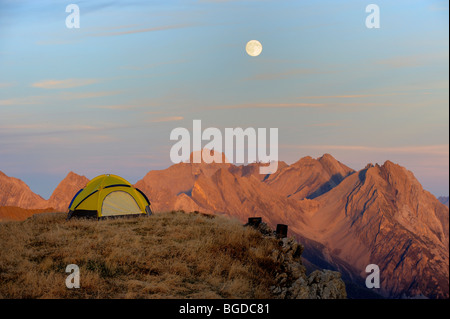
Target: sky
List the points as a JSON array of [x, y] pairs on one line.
[[104, 98]]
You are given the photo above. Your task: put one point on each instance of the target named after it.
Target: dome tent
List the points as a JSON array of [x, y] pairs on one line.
[[109, 196]]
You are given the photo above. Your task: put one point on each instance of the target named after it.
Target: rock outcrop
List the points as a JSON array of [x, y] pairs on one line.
[[293, 282]]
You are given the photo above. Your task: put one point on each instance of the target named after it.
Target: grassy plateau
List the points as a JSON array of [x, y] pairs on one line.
[[166, 255]]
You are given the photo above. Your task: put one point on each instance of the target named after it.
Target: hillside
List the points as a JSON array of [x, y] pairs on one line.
[[166, 255], [9, 213], [345, 219]]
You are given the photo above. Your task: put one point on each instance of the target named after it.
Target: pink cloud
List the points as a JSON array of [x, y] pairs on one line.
[[63, 84]]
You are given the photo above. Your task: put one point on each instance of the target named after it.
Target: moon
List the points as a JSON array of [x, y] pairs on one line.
[[253, 48]]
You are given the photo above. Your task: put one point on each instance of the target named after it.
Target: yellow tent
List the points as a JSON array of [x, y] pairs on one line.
[[109, 196]]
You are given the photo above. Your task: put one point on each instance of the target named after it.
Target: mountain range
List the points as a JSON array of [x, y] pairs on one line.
[[346, 219]]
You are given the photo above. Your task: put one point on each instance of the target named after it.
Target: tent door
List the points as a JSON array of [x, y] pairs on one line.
[[119, 203]]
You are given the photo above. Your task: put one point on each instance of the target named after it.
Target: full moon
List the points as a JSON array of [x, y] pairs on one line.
[[253, 48]]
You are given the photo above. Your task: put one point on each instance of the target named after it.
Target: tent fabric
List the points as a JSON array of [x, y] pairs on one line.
[[109, 196], [119, 203]]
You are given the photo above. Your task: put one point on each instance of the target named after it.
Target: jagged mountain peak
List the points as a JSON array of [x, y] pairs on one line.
[[66, 189], [207, 156], [309, 177], [304, 161], [328, 159], [347, 219], [14, 192], [391, 221]]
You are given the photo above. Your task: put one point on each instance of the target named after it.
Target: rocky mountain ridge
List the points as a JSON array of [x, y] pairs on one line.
[[345, 219]]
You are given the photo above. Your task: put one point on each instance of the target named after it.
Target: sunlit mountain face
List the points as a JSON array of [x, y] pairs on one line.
[[346, 219]]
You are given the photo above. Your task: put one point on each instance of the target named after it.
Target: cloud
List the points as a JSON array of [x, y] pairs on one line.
[[349, 96], [37, 133], [269, 105], [5, 85], [149, 66], [443, 6], [63, 84], [329, 124], [56, 42], [414, 60], [441, 149], [45, 99], [167, 119], [223, 1], [61, 38], [283, 75], [45, 126], [115, 107], [87, 95], [161, 28], [401, 62]]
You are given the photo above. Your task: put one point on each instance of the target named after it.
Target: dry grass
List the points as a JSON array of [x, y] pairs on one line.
[[167, 255], [9, 213]]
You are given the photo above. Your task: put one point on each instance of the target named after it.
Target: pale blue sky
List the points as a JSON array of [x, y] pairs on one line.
[[104, 98]]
